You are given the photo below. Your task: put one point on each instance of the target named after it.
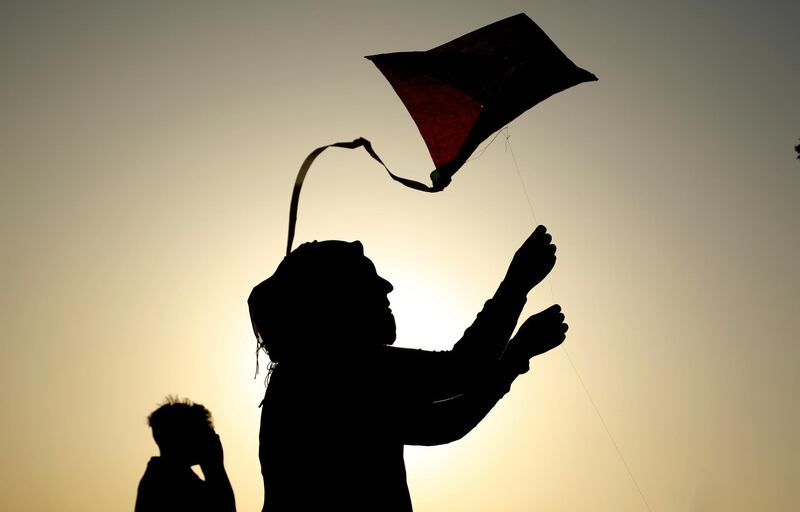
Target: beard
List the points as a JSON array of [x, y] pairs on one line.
[[377, 327], [390, 330]]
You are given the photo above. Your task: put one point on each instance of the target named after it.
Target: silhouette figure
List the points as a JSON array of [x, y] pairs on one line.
[[184, 433], [341, 402]]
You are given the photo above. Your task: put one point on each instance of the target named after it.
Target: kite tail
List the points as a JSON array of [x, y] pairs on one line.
[[357, 143]]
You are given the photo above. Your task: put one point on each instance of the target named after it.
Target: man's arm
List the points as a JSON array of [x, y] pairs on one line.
[[444, 421], [486, 338], [427, 376]]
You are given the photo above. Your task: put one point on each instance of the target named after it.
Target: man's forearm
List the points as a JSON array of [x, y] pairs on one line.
[[446, 421], [486, 338]]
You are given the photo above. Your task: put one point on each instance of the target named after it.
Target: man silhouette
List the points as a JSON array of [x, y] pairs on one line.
[[184, 433], [342, 402]]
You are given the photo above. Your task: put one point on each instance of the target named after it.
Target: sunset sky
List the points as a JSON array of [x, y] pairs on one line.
[[147, 154]]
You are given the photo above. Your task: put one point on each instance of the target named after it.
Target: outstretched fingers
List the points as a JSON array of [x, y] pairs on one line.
[[533, 260], [540, 333]]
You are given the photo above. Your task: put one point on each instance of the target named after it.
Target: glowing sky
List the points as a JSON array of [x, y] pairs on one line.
[[147, 150]]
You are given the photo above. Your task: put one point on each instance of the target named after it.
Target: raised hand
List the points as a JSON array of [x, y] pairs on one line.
[[219, 495], [541, 332], [532, 262], [212, 453]]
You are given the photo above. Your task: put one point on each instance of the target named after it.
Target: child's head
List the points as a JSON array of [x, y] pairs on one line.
[[182, 430]]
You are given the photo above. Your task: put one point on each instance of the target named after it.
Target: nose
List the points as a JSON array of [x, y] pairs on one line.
[[386, 285]]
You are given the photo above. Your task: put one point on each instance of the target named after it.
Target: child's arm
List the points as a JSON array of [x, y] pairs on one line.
[[220, 492]]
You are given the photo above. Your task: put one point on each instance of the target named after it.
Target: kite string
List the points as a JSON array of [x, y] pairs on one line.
[[481, 151], [510, 150]]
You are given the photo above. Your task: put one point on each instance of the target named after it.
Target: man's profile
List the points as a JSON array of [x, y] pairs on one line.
[[341, 402], [184, 433]]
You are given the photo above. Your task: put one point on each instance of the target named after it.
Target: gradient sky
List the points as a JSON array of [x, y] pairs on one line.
[[147, 152]]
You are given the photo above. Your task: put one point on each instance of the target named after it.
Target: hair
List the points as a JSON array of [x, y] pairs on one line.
[[176, 418], [291, 309]]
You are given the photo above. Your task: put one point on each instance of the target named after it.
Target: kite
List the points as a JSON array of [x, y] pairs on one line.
[[461, 92]]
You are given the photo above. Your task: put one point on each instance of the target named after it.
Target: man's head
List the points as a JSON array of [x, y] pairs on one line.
[[322, 294], [182, 430]]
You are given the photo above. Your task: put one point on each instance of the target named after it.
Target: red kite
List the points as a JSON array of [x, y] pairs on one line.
[[463, 91]]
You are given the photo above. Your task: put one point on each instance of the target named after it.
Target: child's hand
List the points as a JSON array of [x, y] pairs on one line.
[[213, 453], [532, 261]]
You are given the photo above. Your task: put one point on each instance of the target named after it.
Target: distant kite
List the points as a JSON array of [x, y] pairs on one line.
[[463, 91]]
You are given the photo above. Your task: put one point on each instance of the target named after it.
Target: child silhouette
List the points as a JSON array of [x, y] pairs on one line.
[[184, 433]]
